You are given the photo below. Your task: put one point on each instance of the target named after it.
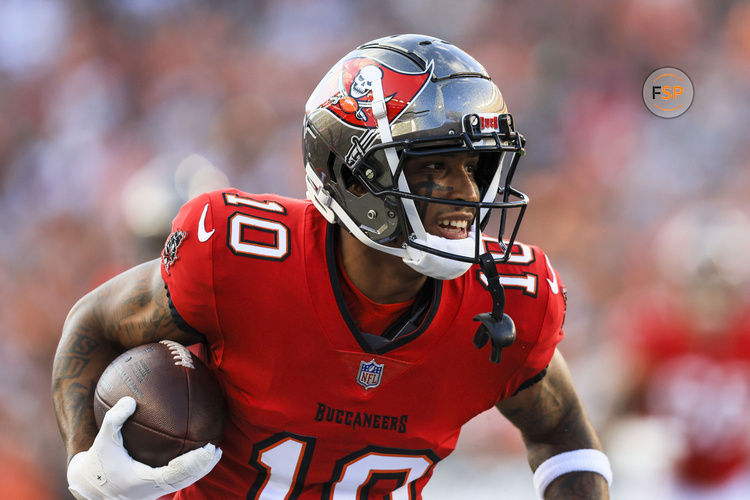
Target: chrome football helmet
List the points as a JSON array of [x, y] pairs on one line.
[[400, 97]]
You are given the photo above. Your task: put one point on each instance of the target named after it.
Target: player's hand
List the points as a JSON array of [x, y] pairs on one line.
[[106, 470]]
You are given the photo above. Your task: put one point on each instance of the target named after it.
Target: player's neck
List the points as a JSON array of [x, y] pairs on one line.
[[381, 277]]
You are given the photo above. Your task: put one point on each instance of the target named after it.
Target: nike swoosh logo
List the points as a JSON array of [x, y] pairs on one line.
[[552, 284], [204, 235]]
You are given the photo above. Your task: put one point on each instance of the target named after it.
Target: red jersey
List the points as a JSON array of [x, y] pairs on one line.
[[699, 381], [315, 410]]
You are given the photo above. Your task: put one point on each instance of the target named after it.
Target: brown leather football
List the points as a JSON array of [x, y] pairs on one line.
[[179, 404]]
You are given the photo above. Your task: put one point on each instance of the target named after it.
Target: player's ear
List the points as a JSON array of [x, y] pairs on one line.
[[357, 189], [353, 185]]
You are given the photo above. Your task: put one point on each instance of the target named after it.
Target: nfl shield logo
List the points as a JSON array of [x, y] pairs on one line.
[[369, 374]]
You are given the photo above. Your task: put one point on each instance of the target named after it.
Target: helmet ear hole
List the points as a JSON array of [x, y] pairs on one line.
[[351, 183]]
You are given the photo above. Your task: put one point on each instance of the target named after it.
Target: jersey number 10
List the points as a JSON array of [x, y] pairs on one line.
[[275, 245], [262, 238], [283, 461]]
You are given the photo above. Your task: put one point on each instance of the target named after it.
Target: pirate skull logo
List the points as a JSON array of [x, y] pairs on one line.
[[362, 84], [359, 90], [347, 90]]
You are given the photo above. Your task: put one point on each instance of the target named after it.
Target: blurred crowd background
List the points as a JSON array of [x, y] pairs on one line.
[[115, 112]]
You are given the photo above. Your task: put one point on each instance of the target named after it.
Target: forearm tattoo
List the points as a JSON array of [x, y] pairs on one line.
[[74, 382], [145, 315], [131, 310], [74, 356], [78, 398]]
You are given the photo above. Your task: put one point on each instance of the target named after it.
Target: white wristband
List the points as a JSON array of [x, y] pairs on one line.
[[587, 460]]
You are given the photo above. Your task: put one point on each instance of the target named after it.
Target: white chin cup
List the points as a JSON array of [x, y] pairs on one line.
[[437, 267]]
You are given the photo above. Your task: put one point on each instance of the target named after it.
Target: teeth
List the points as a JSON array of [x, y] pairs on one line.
[[460, 224]]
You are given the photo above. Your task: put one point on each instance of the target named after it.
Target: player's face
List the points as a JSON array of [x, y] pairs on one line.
[[447, 176]]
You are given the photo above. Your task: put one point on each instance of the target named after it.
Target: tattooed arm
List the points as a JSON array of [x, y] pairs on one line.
[[552, 420], [129, 310]]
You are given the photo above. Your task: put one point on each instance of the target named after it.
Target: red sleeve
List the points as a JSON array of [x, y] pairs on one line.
[[187, 265], [539, 322]]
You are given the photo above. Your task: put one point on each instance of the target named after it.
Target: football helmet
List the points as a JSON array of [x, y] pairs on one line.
[[400, 97]]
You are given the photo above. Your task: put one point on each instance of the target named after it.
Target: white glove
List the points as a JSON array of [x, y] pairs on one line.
[[106, 470]]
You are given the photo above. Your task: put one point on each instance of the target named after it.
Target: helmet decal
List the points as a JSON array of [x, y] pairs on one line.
[[347, 90], [430, 97]]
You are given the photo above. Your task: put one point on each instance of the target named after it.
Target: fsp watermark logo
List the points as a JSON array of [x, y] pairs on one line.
[[668, 92]]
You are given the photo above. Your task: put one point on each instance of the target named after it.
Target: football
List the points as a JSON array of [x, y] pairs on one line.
[[179, 404]]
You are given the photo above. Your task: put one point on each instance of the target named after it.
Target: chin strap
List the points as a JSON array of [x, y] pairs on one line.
[[496, 326]]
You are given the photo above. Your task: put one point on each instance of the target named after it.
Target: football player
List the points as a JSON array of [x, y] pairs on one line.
[[353, 333], [685, 344]]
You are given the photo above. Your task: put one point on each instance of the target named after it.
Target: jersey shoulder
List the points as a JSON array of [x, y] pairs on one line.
[[225, 202], [535, 299], [531, 283], [212, 233], [535, 293]]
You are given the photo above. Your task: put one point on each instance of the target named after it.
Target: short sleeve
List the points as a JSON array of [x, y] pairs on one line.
[[539, 324], [187, 266]]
